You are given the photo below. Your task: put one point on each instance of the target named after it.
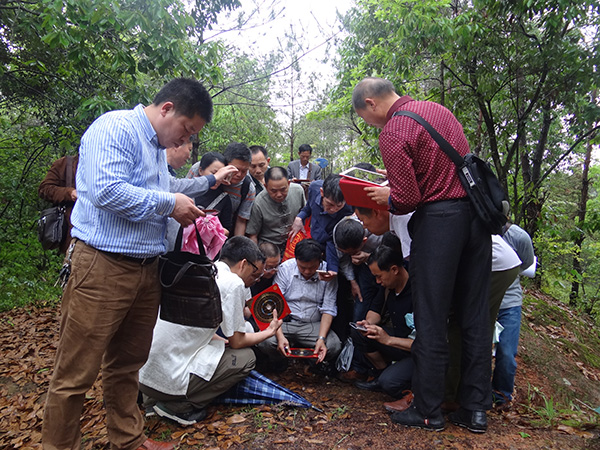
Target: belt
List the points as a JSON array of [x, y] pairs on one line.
[[119, 257]]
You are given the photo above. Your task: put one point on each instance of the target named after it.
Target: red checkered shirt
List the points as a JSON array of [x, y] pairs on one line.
[[418, 170]]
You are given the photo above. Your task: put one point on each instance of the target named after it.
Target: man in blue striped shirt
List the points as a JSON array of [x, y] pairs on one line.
[[125, 196]]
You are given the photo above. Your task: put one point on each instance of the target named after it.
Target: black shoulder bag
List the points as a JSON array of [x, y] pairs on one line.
[[190, 295], [477, 178], [52, 225]]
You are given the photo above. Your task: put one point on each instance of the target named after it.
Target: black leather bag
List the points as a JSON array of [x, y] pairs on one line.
[[52, 227], [477, 178], [190, 295]]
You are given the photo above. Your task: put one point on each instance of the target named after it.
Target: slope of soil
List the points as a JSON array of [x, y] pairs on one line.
[[557, 389]]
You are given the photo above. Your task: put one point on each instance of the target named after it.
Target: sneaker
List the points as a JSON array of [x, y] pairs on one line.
[[149, 412], [413, 418], [185, 419], [474, 421]]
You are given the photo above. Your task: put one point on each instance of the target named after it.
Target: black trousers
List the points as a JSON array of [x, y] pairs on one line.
[[396, 377], [450, 266]]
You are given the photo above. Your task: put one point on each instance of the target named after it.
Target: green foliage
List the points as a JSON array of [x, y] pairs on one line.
[[27, 274], [559, 230], [242, 110], [547, 413], [62, 64], [517, 75], [521, 77]]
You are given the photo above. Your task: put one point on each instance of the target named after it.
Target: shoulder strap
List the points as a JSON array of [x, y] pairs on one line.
[[216, 201], [437, 137], [243, 191], [69, 171]]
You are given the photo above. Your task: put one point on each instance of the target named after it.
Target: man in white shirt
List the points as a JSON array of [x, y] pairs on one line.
[[312, 303], [378, 221], [188, 366]]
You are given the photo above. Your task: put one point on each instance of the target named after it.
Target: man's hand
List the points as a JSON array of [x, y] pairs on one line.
[[359, 258], [356, 290], [185, 212], [382, 172], [296, 227], [328, 276], [223, 175], [321, 350], [379, 195], [74, 195], [283, 345], [377, 334], [275, 324]]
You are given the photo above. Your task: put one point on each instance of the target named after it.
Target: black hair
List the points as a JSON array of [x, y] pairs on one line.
[[237, 150], [389, 253], [305, 148], [275, 173], [370, 87], [189, 97], [365, 166], [269, 250], [237, 248], [364, 211], [331, 188], [254, 149], [209, 158], [308, 250], [349, 234]]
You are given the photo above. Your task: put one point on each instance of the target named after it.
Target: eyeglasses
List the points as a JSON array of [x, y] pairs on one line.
[[255, 268], [272, 269]]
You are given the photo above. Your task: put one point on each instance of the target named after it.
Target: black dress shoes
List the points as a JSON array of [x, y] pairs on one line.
[[474, 421], [413, 418], [369, 385]]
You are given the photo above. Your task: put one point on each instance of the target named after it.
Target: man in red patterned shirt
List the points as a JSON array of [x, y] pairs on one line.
[[450, 257]]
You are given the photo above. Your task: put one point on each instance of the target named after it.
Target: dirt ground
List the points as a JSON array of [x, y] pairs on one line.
[[350, 418]]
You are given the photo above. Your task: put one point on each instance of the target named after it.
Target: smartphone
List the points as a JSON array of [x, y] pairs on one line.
[[322, 272], [358, 327]]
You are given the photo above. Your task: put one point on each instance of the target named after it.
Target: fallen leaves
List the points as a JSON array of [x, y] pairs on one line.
[[27, 349]]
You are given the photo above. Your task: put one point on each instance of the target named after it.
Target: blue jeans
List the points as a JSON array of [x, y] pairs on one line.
[[506, 350]]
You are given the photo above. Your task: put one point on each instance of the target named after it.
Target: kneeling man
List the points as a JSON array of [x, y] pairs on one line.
[[189, 366]]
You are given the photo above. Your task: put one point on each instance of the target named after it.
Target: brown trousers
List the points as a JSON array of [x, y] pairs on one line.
[[108, 314]]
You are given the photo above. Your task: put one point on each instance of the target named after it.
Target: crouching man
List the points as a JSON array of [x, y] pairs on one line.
[[383, 344], [189, 366], [312, 303]]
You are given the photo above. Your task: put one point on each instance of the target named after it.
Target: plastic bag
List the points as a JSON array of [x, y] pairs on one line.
[[344, 360], [212, 234]]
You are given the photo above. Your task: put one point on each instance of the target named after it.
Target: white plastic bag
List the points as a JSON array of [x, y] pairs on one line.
[[344, 360]]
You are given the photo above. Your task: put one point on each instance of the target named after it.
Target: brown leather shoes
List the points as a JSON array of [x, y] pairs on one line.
[[149, 444], [402, 404]]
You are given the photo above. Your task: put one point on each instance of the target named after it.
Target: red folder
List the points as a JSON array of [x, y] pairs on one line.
[[355, 195]]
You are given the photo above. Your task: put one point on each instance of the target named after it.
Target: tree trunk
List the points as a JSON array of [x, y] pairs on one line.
[[581, 211]]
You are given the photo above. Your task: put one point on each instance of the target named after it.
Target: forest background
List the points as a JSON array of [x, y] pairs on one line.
[[521, 76]]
